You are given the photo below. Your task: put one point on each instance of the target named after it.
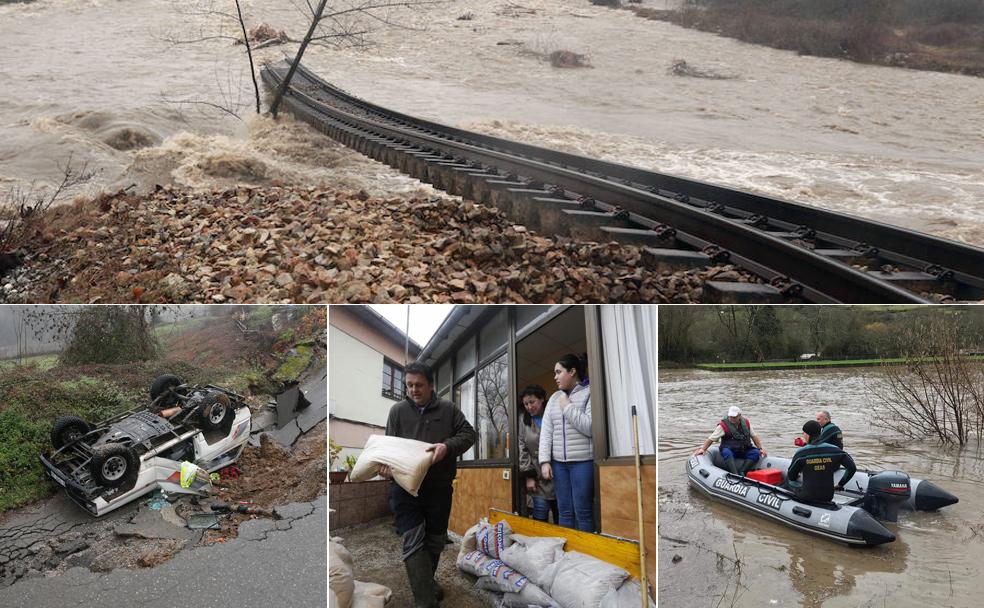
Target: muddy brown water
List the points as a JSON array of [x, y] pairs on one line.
[[899, 146], [935, 561]]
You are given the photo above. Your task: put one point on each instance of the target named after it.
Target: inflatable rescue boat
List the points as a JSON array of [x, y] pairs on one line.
[[851, 517]]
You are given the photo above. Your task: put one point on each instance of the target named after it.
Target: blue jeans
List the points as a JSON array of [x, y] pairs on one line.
[[543, 507], [574, 488], [751, 454]]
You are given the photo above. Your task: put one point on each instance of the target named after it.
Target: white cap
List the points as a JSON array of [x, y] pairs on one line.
[[734, 410]]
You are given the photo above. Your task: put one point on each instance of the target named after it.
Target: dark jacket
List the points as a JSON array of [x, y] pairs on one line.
[[440, 422], [830, 433], [818, 463], [529, 459]]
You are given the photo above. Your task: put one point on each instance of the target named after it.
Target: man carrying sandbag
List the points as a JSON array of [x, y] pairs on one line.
[[423, 520]]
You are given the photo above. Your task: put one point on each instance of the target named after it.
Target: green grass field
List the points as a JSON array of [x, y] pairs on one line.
[[724, 367]]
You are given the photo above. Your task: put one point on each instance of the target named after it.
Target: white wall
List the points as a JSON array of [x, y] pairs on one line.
[[355, 380]]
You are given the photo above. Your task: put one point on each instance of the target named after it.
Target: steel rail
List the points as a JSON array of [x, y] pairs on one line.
[[895, 244], [823, 278]]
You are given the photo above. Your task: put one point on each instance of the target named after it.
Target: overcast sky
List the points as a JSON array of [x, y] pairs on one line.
[[424, 318]]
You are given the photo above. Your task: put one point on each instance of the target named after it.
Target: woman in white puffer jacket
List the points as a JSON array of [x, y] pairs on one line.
[[565, 445]]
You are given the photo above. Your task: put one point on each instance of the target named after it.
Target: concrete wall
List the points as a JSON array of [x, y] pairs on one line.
[[357, 503], [355, 379], [351, 437]]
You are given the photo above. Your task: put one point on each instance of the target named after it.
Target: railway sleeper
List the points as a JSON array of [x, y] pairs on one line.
[[733, 292], [641, 237], [547, 215], [460, 180], [482, 188], [441, 174], [671, 260], [848, 256], [587, 225], [519, 204]]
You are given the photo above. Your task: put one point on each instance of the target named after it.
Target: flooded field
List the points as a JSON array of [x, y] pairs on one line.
[[711, 554]]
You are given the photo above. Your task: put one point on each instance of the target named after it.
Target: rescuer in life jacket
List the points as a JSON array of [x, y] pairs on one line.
[[737, 439], [829, 432], [818, 461]]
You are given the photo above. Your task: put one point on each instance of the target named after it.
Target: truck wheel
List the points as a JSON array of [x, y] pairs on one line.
[[216, 413], [114, 465], [163, 384], [67, 429]]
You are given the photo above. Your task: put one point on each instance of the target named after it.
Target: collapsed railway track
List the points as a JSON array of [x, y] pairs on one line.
[[801, 253]]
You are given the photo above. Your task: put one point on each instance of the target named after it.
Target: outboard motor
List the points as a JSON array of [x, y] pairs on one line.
[[886, 492]]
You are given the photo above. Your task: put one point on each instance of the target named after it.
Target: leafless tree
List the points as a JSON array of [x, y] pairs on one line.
[[937, 391], [346, 24], [493, 396], [211, 12]]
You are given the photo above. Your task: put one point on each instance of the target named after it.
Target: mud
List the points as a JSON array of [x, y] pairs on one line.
[[272, 475], [376, 550], [711, 554]]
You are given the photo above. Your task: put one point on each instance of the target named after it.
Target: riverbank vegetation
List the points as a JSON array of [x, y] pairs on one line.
[[755, 334], [943, 35]]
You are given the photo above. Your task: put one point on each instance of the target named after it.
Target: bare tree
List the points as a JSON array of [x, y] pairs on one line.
[[210, 11], [343, 25], [493, 395], [936, 391]]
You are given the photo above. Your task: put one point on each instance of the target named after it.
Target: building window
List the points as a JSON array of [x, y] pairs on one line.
[[464, 398], [493, 410], [392, 380]]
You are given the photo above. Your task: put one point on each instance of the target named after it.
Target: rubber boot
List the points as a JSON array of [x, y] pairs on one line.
[[729, 463], [435, 546], [420, 572], [745, 466]]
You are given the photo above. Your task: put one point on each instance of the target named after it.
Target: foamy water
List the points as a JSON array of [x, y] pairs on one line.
[[894, 145]]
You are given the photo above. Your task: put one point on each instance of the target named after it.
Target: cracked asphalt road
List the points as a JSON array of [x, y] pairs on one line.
[[272, 562]]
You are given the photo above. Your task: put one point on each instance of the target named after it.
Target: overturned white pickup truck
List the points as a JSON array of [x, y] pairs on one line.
[[106, 465]]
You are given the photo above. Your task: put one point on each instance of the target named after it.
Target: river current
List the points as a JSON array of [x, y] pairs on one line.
[[101, 81]]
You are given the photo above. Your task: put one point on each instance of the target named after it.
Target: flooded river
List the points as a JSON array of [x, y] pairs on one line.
[[98, 79], [936, 560]]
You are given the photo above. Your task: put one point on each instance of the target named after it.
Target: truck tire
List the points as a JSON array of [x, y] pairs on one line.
[[216, 413], [163, 384], [67, 429], [114, 465]]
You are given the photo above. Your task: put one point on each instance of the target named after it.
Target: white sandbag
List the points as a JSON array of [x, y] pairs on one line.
[[505, 578], [340, 574], [533, 556], [580, 581], [370, 595], [492, 539], [407, 458], [468, 543], [629, 595], [530, 596]]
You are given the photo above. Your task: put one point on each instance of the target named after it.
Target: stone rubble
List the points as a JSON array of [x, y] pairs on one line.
[[316, 244]]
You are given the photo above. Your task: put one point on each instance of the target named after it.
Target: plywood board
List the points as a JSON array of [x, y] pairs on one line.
[[475, 491], [619, 509]]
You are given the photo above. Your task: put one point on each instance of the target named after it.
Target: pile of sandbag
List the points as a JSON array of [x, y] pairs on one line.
[[536, 571], [408, 459], [343, 590]]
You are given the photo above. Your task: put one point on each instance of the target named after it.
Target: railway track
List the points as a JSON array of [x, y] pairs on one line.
[[801, 253]]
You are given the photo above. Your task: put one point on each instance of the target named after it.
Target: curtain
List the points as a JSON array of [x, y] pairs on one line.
[[629, 348]]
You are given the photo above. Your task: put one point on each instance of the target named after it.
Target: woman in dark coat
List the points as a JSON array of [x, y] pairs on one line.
[[533, 399]]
